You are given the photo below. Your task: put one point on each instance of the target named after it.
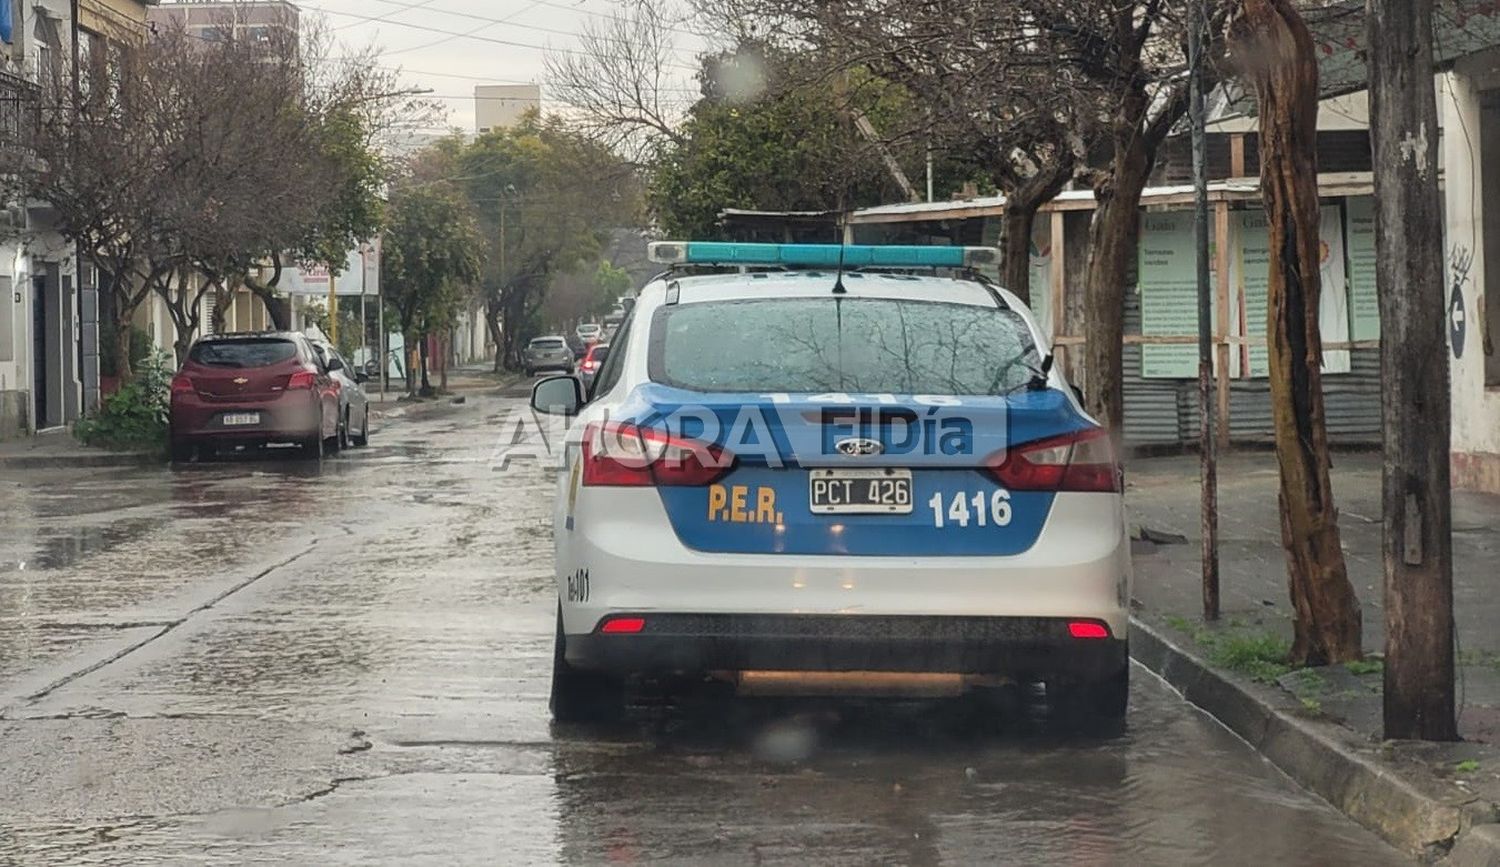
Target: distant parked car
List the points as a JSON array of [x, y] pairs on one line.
[[266, 387], [354, 407], [547, 353], [589, 368]]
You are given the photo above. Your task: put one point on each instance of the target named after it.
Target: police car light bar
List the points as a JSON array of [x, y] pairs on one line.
[[820, 255]]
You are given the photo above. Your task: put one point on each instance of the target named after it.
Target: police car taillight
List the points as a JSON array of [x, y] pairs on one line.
[[620, 454], [1081, 461]]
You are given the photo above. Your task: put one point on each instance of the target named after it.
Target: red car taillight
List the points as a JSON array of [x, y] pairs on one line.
[[302, 379], [181, 384], [1082, 461], [623, 455]]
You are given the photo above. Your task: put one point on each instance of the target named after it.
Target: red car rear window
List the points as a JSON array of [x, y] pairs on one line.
[[243, 353]]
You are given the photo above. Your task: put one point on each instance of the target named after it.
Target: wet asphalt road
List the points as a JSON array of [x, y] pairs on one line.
[[274, 662]]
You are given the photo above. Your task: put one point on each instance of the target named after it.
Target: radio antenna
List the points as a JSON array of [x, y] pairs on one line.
[[838, 277]]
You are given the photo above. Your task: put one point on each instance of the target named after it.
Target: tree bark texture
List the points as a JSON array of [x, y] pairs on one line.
[[1112, 239], [1021, 204], [1417, 542], [1278, 52], [1016, 250]]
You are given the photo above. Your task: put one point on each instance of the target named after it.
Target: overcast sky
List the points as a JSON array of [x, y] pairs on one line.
[[506, 40]]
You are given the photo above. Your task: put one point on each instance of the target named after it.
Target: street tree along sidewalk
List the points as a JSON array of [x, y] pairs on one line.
[[1275, 50], [1415, 414], [185, 164], [430, 263]]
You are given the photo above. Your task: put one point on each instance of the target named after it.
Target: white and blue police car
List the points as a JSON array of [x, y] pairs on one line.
[[825, 463]]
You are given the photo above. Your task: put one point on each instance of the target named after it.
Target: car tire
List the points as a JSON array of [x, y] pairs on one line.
[[343, 437], [1097, 706], [363, 437], [312, 445], [182, 451], [580, 696]]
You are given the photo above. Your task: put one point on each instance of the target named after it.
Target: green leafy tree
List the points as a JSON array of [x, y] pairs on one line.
[[432, 259], [546, 198], [768, 136]]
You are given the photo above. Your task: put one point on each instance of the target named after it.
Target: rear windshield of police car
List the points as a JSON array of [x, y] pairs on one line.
[[833, 344]]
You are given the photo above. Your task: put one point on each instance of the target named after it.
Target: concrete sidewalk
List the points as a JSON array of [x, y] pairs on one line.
[[1342, 703], [55, 449]]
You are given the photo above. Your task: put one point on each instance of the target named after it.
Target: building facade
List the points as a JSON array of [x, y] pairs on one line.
[[213, 20], [497, 106], [49, 363]]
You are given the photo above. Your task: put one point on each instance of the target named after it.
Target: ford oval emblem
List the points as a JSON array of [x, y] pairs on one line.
[[859, 447]]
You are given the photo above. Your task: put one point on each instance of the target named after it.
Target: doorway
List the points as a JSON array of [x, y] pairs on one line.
[[39, 350]]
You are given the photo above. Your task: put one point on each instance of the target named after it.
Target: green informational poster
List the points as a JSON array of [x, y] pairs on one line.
[[1250, 271], [1364, 309], [1168, 286], [1251, 264]]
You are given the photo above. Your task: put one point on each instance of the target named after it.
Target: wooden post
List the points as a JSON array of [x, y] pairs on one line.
[[1058, 276], [1281, 59], [1415, 405], [1237, 155], [1221, 325]]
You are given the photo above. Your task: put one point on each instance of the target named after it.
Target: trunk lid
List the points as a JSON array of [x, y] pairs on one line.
[[783, 444]]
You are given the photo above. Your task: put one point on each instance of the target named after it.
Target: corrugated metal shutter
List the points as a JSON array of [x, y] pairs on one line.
[[1152, 410], [1164, 412]]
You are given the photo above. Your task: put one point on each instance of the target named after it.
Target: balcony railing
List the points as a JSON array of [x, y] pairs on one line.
[[20, 111]]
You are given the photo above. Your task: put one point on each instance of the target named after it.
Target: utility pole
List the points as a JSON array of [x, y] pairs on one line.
[[333, 310], [1208, 468], [1417, 542]]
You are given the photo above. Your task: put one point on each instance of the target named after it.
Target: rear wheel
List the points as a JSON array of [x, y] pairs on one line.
[[363, 437], [343, 434], [1094, 706], [580, 696], [312, 445], [183, 451]]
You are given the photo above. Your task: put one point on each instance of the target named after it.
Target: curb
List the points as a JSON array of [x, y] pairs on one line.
[[82, 459], [1328, 760]]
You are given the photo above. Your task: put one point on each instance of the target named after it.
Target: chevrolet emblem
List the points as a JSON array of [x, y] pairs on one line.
[[240, 380]]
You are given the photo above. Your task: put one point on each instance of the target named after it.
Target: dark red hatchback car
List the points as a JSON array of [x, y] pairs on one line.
[[240, 389]]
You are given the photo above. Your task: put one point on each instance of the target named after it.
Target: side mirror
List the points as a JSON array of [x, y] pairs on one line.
[[335, 363], [361, 377], [557, 395]]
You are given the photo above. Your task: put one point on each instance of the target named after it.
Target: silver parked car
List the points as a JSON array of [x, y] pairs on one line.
[[547, 353]]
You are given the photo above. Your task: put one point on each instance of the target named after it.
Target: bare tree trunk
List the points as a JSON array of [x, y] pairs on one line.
[[266, 292], [1016, 249], [1415, 409], [1021, 206], [1112, 238], [408, 342], [492, 321], [1326, 615], [122, 326]]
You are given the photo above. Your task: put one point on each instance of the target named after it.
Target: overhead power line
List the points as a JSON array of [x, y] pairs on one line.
[[472, 35], [507, 21]]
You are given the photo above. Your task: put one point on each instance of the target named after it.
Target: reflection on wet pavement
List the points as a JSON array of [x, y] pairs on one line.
[[252, 662]]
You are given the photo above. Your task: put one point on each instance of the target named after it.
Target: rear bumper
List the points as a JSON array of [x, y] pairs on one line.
[[290, 417], [687, 643]]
